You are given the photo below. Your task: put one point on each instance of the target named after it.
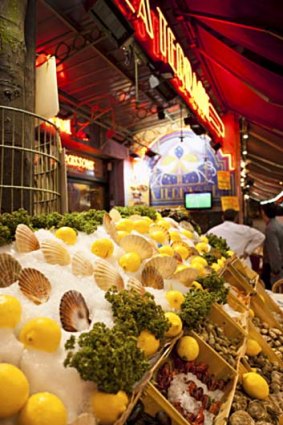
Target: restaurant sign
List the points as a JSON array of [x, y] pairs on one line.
[[80, 164], [158, 39]]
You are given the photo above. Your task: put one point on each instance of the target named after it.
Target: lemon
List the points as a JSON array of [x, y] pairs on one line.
[[41, 333], [175, 236], [199, 267], [158, 236], [148, 343], [215, 266], [202, 247], [255, 385], [14, 390], [164, 223], [130, 261], [220, 262], [176, 324], [175, 299], [204, 239], [10, 311], [187, 233], [102, 247], [181, 267], [196, 285], [147, 219], [141, 226], [125, 224], [108, 407], [166, 249], [158, 216], [67, 235], [43, 409], [121, 234], [199, 260], [182, 250], [230, 253], [251, 313], [188, 348], [253, 348]]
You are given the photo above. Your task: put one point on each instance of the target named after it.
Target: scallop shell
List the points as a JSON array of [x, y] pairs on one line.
[[186, 225], [34, 285], [10, 269], [107, 276], [135, 285], [81, 265], [138, 244], [84, 419], [115, 215], [185, 245], [55, 253], [26, 241], [74, 313], [164, 264], [152, 278], [135, 217], [186, 276], [178, 257], [109, 226], [158, 228]]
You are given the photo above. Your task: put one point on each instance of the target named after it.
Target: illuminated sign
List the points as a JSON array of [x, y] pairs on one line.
[[63, 125], [79, 163], [154, 32]]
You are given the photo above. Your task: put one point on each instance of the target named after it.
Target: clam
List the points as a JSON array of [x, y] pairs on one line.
[[55, 253], [26, 241], [135, 285], [10, 270], [152, 278], [107, 276], [34, 285], [186, 276], [109, 226], [84, 419], [81, 265], [164, 264], [138, 244], [115, 215], [241, 418], [74, 313]]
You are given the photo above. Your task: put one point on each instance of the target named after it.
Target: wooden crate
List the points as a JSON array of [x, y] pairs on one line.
[[236, 279], [267, 300], [262, 311]]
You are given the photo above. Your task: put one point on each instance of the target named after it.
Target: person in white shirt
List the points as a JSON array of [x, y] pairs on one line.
[[243, 240]]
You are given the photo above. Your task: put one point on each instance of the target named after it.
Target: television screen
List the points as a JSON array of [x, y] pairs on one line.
[[198, 200]]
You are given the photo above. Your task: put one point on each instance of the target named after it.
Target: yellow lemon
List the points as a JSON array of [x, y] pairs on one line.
[[166, 249], [148, 343], [215, 266], [108, 407], [130, 261], [255, 385], [202, 247], [176, 324], [41, 333], [43, 409], [164, 223], [141, 226], [182, 250], [251, 313], [199, 267], [158, 236], [158, 216], [147, 219], [203, 238], [121, 234], [67, 235], [253, 347], [102, 247], [181, 267], [196, 285], [230, 253], [14, 390], [125, 224], [200, 260], [175, 236], [187, 233], [10, 311], [188, 348], [175, 299]]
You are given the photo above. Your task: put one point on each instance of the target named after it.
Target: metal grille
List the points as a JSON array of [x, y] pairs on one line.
[[31, 175]]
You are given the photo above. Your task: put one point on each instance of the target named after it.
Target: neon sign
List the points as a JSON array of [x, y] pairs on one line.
[[81, 164], [154, 32], [63, 125]]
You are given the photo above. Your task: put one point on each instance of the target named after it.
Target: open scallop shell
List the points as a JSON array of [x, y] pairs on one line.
[[152, 278], [109, 226], [55, 253], [164, 264], [26, 241], [107, 276], [74, 313], [115, 215], [138, 244], [158, 228], [178, 257], [186, 276], [136, 285], [81, 265], [34, 285], [84, 419], [135, 217], [185, 245], [10, 270]]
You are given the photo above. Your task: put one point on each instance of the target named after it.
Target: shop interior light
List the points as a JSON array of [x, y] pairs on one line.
[[245, 136], [245, 152]]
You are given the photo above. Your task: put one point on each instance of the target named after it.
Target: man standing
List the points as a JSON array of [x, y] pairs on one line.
[[243, 240], [273, 246]]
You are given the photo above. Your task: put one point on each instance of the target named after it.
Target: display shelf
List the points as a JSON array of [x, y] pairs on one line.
[[263, 312], [268, 302], [234, 278]]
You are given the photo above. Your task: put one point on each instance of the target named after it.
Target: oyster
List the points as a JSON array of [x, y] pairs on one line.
[[257, 410], [241, 418]]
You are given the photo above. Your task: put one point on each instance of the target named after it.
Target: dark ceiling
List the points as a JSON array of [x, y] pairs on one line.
[[235, 46]]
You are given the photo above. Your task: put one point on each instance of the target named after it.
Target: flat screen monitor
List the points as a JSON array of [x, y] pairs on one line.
[[198, 200]]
